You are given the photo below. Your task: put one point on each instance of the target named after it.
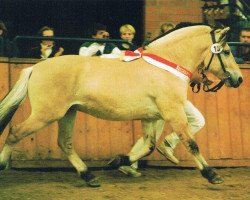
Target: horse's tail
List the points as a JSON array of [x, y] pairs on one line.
[[14, 98]]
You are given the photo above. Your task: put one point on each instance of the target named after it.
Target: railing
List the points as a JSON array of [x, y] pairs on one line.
[[19, 37], [71, 44], [239, 44]]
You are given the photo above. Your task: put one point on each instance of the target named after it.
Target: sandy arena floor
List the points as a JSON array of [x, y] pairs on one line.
[[155, 184]]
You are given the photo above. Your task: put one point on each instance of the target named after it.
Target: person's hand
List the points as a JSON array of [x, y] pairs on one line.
[[44, 48], [59, 52]]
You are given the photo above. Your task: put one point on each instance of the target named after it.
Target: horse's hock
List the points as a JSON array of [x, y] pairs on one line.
[[224, 141]]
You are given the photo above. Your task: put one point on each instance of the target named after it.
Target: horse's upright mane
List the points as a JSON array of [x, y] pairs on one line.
[[178, 26]]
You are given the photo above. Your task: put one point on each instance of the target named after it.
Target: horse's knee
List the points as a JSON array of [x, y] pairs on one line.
[[193, 147]]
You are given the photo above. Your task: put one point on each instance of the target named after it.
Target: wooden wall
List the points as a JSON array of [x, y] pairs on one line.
[[224, 141]]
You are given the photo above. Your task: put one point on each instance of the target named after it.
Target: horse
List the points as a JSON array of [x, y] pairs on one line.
[[151, 89]]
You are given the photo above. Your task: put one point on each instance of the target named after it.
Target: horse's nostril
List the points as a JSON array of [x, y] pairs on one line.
[[240, 80]]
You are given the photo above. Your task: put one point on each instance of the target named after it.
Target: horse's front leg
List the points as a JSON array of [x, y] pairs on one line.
[[65, 132], [149, 137], [178, 122]]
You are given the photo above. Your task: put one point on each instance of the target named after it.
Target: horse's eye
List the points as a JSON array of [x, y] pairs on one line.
[[227, 52]]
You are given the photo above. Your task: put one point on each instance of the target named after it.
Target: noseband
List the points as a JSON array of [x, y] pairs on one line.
[[216, 50]]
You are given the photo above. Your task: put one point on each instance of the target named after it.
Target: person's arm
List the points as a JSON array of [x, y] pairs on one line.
[[59, 52], [89, 50], [116, 51]]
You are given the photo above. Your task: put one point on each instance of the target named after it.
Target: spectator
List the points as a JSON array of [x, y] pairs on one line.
[[47, 48], [127, 32], [242, 53], [99, 31], [166, 27], [7, 48]]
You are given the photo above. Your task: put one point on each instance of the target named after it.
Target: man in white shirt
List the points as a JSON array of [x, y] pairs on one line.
[[99, 31]]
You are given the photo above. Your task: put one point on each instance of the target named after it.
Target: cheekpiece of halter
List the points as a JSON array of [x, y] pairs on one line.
[[216, 49]]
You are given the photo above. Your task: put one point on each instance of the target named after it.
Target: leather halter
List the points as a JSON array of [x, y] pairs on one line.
[[206, 82]]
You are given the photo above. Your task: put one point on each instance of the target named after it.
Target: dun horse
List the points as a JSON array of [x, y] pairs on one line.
[[151, 89]]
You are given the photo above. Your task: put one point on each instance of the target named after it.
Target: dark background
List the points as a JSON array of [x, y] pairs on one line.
[[71, 18]]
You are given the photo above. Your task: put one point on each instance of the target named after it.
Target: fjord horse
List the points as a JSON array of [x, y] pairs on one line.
[[152, 88]]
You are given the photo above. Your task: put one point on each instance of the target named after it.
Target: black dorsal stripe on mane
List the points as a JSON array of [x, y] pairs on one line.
[[178, 26]]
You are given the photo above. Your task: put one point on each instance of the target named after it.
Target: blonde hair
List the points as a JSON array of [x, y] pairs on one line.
[[126, 27]]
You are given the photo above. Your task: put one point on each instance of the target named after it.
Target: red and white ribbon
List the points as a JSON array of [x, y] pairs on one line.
[[160, 62]]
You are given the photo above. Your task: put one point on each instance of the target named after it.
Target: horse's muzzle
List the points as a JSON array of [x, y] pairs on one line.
[[240, 80], [237, 84], [232, 82]]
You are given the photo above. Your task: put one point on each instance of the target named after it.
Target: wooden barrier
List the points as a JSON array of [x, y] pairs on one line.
[[224, 141]]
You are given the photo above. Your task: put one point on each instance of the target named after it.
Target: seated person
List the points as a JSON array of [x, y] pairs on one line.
[[127, 32], [166, 27], [7, 48], [242, 53], [99, 31], [47, 48]]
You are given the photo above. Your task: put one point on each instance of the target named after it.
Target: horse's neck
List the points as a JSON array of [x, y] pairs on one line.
[[182, 49]]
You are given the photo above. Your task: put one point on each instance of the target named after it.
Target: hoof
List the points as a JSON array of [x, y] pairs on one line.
[[129, 171], [118, 161], [93, 183], [216, 180], [211, 176], [90, 179]]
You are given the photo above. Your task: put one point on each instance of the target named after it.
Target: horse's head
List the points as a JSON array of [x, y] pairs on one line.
[[220, 61]]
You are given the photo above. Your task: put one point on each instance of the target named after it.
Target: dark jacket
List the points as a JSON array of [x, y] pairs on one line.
[[107, 49], [35, 52], [125, 46], [7, 48], [238, 56]]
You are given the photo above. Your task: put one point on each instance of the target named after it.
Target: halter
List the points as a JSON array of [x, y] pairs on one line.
[[216, 50]]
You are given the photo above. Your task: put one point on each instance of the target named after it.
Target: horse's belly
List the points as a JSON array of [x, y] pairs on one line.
[[121, 113]]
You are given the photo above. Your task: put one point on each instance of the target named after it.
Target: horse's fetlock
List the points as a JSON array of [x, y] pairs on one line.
[[90, 179], [66, 147], [69, 146], [87, 175], [119, 161]]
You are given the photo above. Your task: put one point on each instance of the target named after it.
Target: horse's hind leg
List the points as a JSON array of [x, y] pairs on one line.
[[17, 133], [65, 132]]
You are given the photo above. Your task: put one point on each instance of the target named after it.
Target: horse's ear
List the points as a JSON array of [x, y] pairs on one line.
[[223, 35]]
